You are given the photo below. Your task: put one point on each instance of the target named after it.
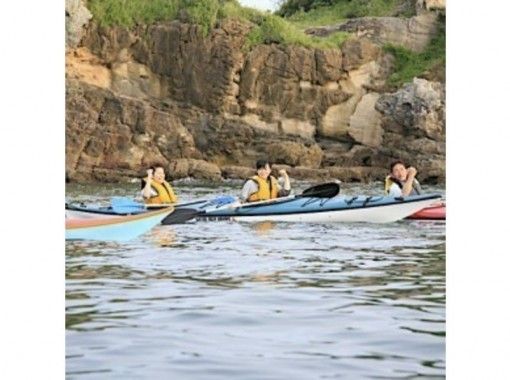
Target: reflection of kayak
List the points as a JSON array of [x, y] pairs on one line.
[[434, 212], [114, 228], [336, 209]]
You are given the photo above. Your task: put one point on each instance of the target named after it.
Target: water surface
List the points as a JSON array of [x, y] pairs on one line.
[[216, 300]]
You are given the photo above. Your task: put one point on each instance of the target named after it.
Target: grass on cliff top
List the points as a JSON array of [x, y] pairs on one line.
[[268, 28], [271, 28], [131, 12], [304, 14], [409, 64]]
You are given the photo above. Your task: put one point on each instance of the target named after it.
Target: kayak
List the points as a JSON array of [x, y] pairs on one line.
[[380, 209], [114, 228], [434, 212], [121, 206]]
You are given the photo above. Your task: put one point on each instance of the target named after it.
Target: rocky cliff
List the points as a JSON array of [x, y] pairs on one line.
[[207, 107]]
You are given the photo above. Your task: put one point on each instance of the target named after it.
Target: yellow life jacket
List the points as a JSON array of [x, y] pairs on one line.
[[165, 193], [267, 189]]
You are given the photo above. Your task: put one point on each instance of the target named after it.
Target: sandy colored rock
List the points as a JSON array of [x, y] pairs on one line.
[[365, 122]]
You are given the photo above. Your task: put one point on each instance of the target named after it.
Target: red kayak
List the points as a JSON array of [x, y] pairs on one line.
[[434, 212]]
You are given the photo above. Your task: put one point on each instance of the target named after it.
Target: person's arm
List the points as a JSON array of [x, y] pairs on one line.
[[248, 189], [394, 191], [284, 190], [146, 192], [286, 179], [417, 187], [408, 185]]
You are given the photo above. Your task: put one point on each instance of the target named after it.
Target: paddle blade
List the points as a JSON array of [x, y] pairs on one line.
[[180, 215], [324, 190], [123, 205], [222, 200]]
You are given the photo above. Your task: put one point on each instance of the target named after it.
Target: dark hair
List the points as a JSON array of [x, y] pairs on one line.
[[395, 163], [262, 164], [155, 166]]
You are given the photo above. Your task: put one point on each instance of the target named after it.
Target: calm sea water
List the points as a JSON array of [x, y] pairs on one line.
[[218, 300]]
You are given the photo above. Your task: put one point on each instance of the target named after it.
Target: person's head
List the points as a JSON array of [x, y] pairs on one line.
[[398, 170], [158, 173], [263, 168]]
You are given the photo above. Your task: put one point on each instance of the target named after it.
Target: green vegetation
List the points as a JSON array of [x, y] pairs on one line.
[[269, 28], [409, 64], [307, 13], [202, 12], [131, 12], [274, 29]]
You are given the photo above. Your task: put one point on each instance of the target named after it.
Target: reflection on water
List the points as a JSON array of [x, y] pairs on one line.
[[257, 301]]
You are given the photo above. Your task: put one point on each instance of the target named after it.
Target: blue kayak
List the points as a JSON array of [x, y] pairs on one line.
[[378, 209], [114, 228], [121, 206]]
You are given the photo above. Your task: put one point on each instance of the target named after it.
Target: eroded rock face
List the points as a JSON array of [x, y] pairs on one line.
[[291, 85], [208, 109], [413, 33], [107, 131]]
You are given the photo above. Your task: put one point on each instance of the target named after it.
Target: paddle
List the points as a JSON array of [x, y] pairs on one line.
[[180, 215], [183, 214], [324, 190], [123, 205]]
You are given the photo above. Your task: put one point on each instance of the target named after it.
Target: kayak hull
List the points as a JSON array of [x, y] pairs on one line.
[[430, 213], [114, 228], [334, 210]]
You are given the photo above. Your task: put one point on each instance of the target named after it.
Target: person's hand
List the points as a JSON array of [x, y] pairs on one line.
[[411, 172], [149, 174]]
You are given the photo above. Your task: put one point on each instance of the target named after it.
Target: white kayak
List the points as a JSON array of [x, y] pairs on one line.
[[324, 210]]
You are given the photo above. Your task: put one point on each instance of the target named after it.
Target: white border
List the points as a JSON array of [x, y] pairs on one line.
[[478, 138], [32, 155]]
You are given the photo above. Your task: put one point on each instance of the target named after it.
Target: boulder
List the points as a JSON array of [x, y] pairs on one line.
[[295, 154], [77, 17]]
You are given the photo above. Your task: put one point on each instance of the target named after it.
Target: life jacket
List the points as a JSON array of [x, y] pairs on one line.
[[267, 189], [391, 180], [164, 190]]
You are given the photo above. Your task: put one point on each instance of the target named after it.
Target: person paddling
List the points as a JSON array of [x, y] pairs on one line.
[[401, 181], [155, 189], [264, 186]]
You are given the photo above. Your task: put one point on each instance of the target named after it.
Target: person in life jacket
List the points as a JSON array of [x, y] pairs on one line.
[[155, 190], [264, 186], [401, 181]]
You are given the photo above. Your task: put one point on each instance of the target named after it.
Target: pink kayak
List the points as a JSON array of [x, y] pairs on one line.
[[434, 212]]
